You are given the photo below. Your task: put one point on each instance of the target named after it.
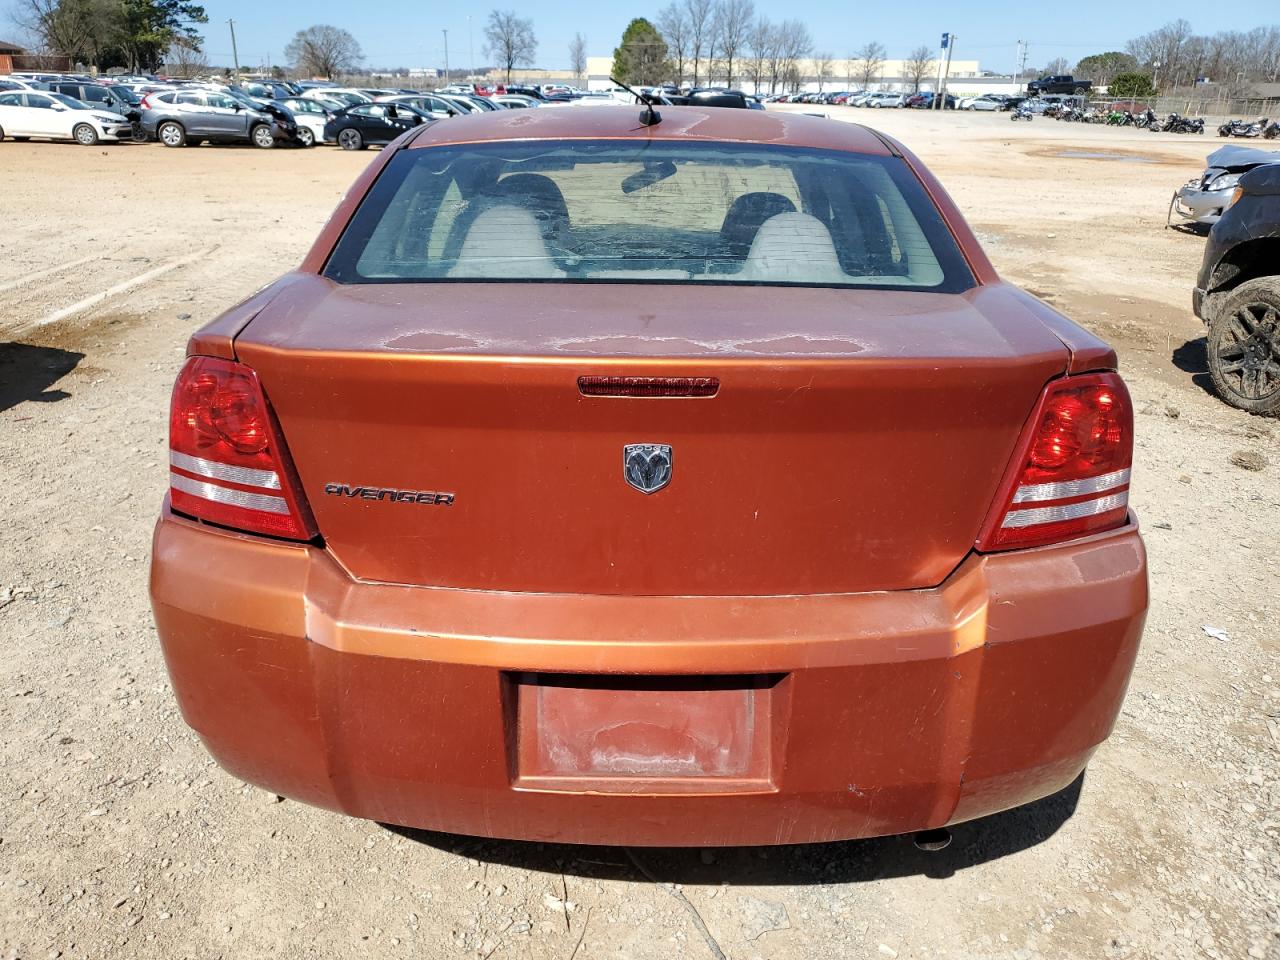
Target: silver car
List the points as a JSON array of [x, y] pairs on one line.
[[1203, 199]]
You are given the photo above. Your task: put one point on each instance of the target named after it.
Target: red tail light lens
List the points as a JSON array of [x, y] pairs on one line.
[[227, 461], [1071, 474]]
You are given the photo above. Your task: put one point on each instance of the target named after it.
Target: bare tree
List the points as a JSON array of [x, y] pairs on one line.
[[673, 24], [699, 15], [510, 40], [186, 61], [795, 43], [1163, 46], [323, 51], [1058, 66], [822, 67], [918, 66], [578, 55], [870, 59], [79, 30], [759, 44], [736, 18]]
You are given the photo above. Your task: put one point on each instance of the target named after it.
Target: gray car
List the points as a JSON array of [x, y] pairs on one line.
[[180, 118], [1204, 199]]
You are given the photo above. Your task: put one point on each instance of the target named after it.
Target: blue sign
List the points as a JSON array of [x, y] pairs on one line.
[[946, 40]]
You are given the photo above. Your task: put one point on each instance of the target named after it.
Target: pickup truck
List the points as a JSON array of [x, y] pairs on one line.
[[1059, 84]]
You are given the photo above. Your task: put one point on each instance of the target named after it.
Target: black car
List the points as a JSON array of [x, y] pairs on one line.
[[526, 91], [715, 98], [1238, 295], [364, 123]]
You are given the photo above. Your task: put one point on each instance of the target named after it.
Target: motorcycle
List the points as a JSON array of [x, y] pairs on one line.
[[1146, 119], [1176, 123], [1272, 130], [1243, 128], [1022, 112]]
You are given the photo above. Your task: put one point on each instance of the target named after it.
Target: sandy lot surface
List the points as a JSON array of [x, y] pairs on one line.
[[119, 838]]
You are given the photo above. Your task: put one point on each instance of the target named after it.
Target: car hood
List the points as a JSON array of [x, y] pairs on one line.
[[1240, 158]]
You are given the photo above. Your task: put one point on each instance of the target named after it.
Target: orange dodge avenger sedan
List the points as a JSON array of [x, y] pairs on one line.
[[607, 477]]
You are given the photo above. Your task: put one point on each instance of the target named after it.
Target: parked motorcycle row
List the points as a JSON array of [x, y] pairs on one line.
[[1144, 119], [1263, 127]]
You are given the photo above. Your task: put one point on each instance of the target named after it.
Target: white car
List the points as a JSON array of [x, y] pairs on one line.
[[429, 103], [516, 101], [29, 113], [887, 100], [344, 95], [985, 102], [19, 83], [311, 114]]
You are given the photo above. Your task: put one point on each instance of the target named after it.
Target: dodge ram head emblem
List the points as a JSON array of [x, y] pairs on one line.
[[647, 466]]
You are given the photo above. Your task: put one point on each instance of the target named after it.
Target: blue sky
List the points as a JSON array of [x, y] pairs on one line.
[[397, 33]]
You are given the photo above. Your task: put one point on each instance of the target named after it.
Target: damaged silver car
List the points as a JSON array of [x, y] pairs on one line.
[[1203, 199]]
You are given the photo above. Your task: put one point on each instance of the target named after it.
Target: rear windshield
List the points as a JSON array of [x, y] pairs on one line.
[[665, 212]]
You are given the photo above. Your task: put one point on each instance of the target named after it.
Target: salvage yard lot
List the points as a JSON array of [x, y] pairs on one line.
[[120, 838]]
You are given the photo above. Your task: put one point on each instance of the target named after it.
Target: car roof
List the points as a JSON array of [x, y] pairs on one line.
[[704, 124]]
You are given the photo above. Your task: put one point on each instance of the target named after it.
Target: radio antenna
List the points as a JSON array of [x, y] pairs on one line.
[[650, 115]]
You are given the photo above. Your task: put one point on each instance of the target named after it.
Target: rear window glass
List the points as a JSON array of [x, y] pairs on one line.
[[659, 211]]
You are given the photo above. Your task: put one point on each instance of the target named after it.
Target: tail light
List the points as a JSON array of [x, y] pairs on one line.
[[1070, 476], [227, 461], [146, 102]]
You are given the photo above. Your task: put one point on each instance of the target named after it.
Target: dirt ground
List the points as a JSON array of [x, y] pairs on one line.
[[120, 838]]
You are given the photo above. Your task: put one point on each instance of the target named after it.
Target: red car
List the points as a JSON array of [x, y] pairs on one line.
[[650, 479]]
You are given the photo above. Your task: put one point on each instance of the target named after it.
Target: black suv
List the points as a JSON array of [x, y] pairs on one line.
[[1238, 294]]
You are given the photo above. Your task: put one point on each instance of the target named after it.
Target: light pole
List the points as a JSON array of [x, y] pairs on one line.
[[472, 49], [235, 56], [446, 56], [1155, 78]]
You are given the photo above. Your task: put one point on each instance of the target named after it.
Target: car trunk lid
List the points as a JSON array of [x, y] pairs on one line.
[[855, 440]]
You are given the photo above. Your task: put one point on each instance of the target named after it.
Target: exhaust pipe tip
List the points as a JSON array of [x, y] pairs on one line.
[[932, 841]]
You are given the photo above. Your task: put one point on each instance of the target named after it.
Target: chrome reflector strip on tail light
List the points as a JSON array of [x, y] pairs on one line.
[[227, 460], [222, 471], [236, 498], [1071, 469], [1070, 511], [1071, 488]]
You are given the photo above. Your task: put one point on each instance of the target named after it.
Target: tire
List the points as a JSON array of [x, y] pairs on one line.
[[85, 135], [1244, 347], [262, 137], [350, 139], [139, 135], [1, 133], [1080, 91], [171, 134], [306, 137]]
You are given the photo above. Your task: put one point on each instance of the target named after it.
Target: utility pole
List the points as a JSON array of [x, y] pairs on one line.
[[939, 98], [946, 76], [446, 57], [235, 56], [1020, 64], [937, 87]]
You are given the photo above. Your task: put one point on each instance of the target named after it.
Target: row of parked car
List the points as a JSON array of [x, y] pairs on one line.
[[261, 112], [887, 98]]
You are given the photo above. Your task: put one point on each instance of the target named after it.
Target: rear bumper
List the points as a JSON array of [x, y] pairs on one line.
[[876, 714]]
